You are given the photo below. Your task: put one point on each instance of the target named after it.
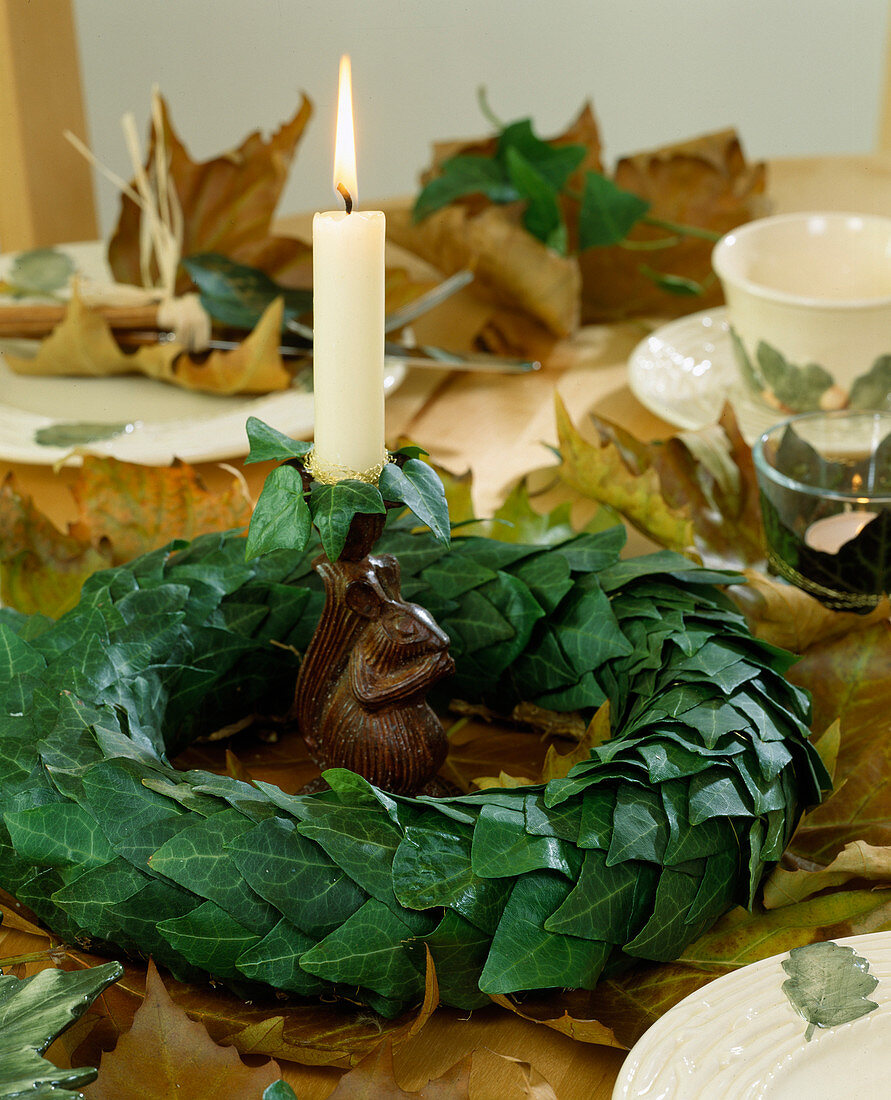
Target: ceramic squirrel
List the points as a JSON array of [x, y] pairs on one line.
[[362, 688]]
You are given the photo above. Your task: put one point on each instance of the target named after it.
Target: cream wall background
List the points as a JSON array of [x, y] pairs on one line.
[[795, 77]]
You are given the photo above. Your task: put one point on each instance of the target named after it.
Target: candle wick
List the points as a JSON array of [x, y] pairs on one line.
[[347, 198]]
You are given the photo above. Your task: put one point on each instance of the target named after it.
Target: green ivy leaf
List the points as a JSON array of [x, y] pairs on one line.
[[269, 443], [33, 1011], [465, 175], [281, 519], [542, 217], [673, 284], [416, 485], [555, 163], [237, 295], [828, 984], [333, 506], [411, 451], [280, 1090], [608, 212]]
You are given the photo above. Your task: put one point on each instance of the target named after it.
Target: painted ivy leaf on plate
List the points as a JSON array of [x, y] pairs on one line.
[[76, 433], [40, 271], [828, 984], [873, 389], [797, 388]]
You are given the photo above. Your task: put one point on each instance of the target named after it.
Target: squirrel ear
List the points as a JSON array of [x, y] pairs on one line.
[[362, 598]]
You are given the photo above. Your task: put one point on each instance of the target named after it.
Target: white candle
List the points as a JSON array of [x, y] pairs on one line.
[[831, 534], [348, 317]]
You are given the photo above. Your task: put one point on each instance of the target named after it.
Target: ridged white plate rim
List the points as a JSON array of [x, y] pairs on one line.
[[739, 1038]]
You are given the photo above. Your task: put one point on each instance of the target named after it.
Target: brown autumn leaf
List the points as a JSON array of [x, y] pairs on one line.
[[536, 292], [856, 861], [136, 508], [82, 344], [324, 1034], [124, 510], [228, 203], [555, 1014], [41, 569], [849, 678], [166, 1054], [512, 269], [705, 182], [374, 1079], [787, 617]]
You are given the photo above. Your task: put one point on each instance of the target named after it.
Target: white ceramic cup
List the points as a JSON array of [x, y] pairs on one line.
[[809, 306]]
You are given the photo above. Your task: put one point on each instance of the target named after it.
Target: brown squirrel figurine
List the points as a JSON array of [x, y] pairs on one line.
[[360, 700]]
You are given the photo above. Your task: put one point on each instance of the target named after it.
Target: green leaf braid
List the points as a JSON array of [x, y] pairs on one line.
[[632, 855]]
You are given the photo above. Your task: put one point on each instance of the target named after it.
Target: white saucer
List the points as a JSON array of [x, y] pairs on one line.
[[741, 1038], [684, 372], [158, 422]]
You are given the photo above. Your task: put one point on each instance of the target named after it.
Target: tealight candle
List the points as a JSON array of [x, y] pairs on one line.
[[348, 317], [830, 534]]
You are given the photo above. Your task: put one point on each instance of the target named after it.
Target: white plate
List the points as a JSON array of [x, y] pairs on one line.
[[740, 1038], [164, 422], [684, 371]]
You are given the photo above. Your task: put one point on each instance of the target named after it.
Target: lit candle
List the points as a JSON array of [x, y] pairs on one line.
[[348, 318], [831, 533]]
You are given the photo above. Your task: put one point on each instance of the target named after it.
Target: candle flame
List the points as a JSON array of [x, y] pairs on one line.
[[345, 141]]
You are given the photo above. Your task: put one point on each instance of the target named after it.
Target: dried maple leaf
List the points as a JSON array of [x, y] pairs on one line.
[[857, 860], [616, 477], [41, 569], [695, 492], [82, 344], [374, 1079], [787, 617], [705, 183], [166, 1054], [135, 508], [848, 679], [228, 203], [124, 510]]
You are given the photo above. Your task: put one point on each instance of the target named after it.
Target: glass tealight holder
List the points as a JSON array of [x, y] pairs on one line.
[[825, 485]]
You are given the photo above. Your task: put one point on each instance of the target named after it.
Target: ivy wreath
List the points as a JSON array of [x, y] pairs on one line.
[[632, 855]]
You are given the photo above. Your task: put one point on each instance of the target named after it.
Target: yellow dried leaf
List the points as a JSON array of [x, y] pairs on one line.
[[502, 780], [857, 860], [255, 366], [166, 1054], [557, 765], [787, 617], [600, 472], [83, 345]]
